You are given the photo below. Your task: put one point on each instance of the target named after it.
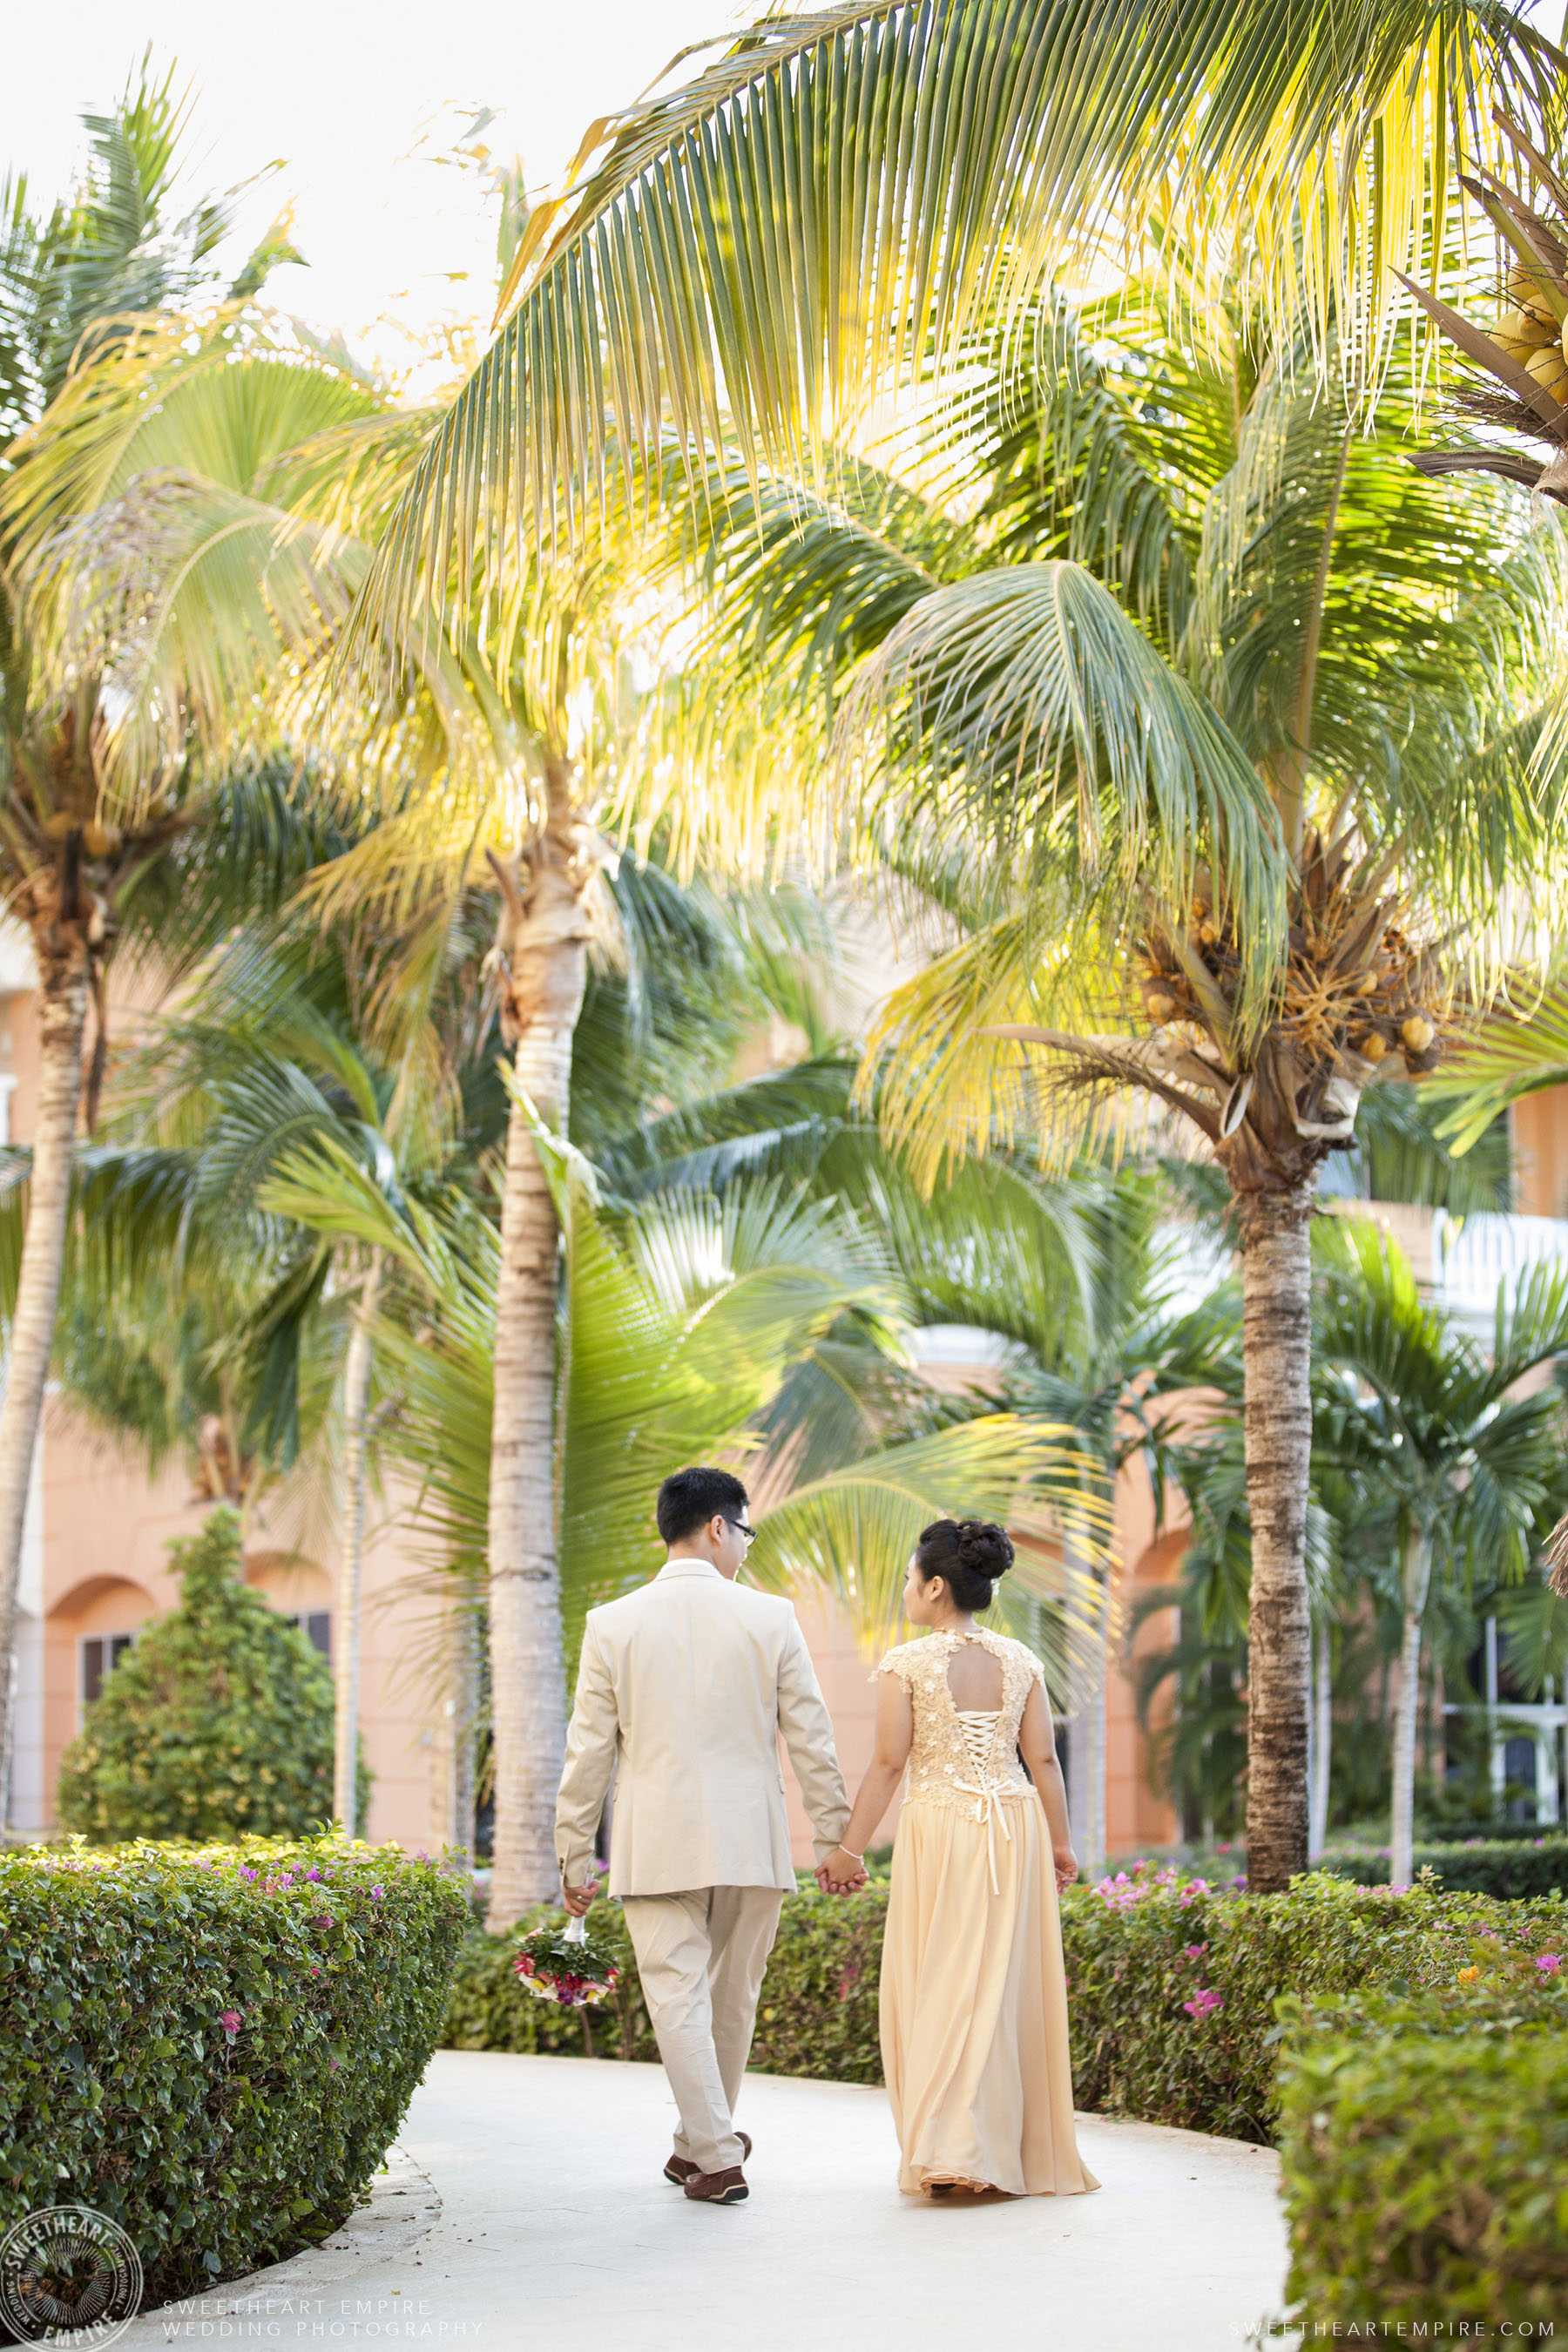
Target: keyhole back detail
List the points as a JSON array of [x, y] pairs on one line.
[[974, 1679]]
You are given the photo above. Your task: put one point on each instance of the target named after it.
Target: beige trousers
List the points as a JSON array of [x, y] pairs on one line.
[[700, 1957]]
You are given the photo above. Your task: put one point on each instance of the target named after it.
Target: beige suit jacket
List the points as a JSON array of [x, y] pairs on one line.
[[683, 1689]]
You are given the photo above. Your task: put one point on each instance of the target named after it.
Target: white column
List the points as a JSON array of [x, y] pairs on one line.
[[1497, 1759], [30, 1803], [1546, 1807]]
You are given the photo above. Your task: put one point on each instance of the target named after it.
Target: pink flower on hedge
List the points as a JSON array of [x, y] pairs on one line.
[[1203, 2003], [312, 1873], [1548, 1963], [1193, 1952], [378, 1894]]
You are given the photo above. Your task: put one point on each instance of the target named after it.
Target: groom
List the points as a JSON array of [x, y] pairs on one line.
[[686, 1685]]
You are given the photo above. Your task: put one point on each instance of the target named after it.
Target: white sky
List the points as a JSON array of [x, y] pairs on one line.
[[345, 94]]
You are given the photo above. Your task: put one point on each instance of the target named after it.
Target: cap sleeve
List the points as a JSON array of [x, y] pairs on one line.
[[897, 1662]]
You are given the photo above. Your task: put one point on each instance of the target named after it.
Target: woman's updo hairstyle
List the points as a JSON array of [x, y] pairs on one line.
[[969, 1555]]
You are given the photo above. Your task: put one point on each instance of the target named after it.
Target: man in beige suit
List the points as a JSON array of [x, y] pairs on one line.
[[682, 1692]]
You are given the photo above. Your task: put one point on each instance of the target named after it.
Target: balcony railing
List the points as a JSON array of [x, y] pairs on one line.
[[1471, 1256]]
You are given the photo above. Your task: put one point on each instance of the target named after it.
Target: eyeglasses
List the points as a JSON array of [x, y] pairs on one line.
[[741, 1527]]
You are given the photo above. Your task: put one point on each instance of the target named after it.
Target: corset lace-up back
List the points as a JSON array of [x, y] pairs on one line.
[[954, 1746]]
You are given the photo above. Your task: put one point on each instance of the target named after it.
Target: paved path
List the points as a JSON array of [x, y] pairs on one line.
[[526, 2209]]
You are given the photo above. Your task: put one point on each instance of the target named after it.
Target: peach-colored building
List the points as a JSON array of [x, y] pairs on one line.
[[95, 1564]]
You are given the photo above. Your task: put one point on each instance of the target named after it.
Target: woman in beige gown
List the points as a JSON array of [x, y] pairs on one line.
[[974, 1994]]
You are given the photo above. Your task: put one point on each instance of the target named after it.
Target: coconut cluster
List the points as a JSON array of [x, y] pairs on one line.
[[1533, 333], [1355, 983]]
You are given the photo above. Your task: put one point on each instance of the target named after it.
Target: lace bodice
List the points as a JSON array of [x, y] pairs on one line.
[[961, 1757]]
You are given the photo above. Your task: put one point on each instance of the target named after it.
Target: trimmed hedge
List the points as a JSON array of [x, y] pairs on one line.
[[1424, 2151], [1139, 1950], [818, 2014], [214, 2047], [1510, 1868], [217, 1723], [1172, 1984]]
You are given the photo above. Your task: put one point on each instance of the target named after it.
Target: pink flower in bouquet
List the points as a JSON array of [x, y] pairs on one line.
[[524, 1964]]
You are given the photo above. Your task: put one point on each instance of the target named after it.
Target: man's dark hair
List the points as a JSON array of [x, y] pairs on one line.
[[690, 1499]]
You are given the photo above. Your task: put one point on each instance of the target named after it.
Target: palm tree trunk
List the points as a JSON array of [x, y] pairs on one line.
[[346, 1630], [63, 981], [1401, 1831], [464, 1726], [545, 935], [1092, 1859], [1322, 1739], [1276, 1352]]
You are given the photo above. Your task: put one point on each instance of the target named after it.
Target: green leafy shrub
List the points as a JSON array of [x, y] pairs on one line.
[[217, 1723], [817, 2015], [1171, 1985], [215, 2048], [1509, 1868], [1424, 2142]]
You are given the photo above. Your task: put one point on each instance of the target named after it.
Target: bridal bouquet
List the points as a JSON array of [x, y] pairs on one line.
[[566, 1966]]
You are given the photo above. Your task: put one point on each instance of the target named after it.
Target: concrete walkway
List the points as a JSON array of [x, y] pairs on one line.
[[526, 2209]]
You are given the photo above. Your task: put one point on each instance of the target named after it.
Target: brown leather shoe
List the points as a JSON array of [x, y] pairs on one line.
[[726, 2188], [681, 2169]]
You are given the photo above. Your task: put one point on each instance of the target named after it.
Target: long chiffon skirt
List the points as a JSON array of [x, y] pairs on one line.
[[974, 2006]]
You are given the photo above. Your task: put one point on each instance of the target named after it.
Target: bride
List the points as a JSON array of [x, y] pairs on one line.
[[974, 1996]]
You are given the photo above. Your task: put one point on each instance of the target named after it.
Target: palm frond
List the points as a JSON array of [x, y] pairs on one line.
[[852, 1533], [847, 191], [1025, 709], [1511, 1057]]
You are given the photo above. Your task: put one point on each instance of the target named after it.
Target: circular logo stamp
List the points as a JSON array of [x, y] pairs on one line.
[[68, 2276]]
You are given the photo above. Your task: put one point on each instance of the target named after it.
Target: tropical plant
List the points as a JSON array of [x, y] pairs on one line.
[[1518, 379], [263, 1057], [1521, 1051], [70, 855], [682, 1313], [837, 200], [824, 213], [1455, 1468], [1209, 751], [218, 1724]]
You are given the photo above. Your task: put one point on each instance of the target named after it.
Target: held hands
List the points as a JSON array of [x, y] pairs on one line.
[[1066, 1862], [842, 1872]]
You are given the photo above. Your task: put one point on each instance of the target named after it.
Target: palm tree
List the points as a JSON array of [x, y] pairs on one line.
[[828, 207], [1204, 749], [692, 1321], [1454, 1469], [265, 1057], [68, 861]]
